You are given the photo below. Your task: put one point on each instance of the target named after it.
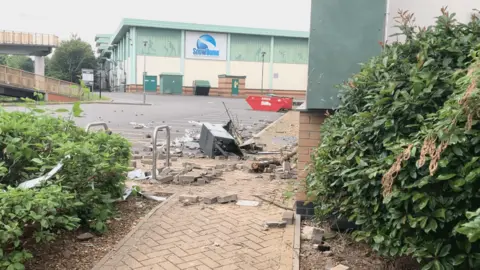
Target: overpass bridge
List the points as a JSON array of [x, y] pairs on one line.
[[32, 44], [22, 84]]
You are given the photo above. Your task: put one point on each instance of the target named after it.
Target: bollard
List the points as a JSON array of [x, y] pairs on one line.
[[154, 142]]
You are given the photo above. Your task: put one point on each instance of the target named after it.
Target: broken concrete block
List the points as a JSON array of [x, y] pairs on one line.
[[137, 157], [85, 236], [220, 158], [276, 224], [239, 166], [173, 159], [220, 166], [340, 267], [165, 179], [165, 164], [188, 198], [210, 199], [272, 167], [166, 170], [317, 236], [233, 158], [272, 176], [186, 179], [307, 233], [147, 161], [288, 217], [286, 166], [217, 173], [227, 198], [230, 168], [200, 181], [199, 156], [133, 163]]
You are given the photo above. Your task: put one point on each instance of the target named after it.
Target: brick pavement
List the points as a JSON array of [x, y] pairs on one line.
[[220, 236]]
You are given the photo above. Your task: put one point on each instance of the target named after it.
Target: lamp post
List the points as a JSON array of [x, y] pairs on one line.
[[144, 69], [263, 64]]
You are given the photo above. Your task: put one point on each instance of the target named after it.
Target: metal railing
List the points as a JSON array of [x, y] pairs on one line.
[[22, 79], [31, 39], [154, 144], [96, 124]]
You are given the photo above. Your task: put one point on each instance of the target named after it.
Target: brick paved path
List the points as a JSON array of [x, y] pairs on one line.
[[208, 236]]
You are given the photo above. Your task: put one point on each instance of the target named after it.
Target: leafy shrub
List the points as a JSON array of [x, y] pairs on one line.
[[81, 193], [407, 108], [32, 215]]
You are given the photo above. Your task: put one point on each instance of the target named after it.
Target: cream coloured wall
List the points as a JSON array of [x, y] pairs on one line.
[[203, 70], [156, 65], [253, 71], [425, 12], [290, 77]]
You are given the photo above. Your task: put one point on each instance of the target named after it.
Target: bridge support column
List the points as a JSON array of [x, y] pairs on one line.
[[40, 65]]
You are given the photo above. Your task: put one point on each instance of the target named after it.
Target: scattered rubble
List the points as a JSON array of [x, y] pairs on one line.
[[85, 236], [227, 198], [276, 224], [188, 199], [288, 217], [210, 199]]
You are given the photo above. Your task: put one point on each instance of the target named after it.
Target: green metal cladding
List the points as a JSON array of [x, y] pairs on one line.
[[161, 42], [290, 50], [343, 34], [249, 48]]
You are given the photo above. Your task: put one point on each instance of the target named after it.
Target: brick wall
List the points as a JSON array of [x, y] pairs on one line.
[[215, 91], [60, 98], [309, 138]]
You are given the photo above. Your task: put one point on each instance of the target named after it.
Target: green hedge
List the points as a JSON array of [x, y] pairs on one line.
[[400, 157], [81, 193]]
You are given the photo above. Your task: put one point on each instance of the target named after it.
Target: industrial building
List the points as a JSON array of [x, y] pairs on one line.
[[232, 60]]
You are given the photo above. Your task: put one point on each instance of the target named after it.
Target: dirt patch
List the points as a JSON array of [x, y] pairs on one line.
[[343, 250], [66, 252]]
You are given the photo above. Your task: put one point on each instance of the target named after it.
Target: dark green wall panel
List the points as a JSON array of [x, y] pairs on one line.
[[343, 33]]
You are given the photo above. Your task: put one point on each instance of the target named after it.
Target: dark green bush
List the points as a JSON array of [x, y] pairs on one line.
[[81, 193], [400, 155], [28, 216]]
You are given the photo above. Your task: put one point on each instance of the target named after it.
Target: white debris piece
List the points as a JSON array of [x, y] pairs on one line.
[[136, 174], [37, 181]]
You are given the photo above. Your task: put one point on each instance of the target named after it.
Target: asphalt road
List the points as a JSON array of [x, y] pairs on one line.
[[175, 111]]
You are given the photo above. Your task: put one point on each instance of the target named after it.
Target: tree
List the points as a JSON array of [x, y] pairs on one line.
[[69, 59], [22, 62], [3, 59]]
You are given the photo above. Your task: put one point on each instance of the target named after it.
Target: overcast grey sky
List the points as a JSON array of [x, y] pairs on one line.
[[90, 17]]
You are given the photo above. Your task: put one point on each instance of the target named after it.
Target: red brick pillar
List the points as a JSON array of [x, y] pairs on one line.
[[309, 138]]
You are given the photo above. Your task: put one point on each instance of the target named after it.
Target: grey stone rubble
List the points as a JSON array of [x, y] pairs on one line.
[[208, 199], [288, 216], [276, 224], [85, 236]]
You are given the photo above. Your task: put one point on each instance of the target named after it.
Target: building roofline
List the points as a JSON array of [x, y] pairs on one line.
[[99, 36], [128, 22]]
